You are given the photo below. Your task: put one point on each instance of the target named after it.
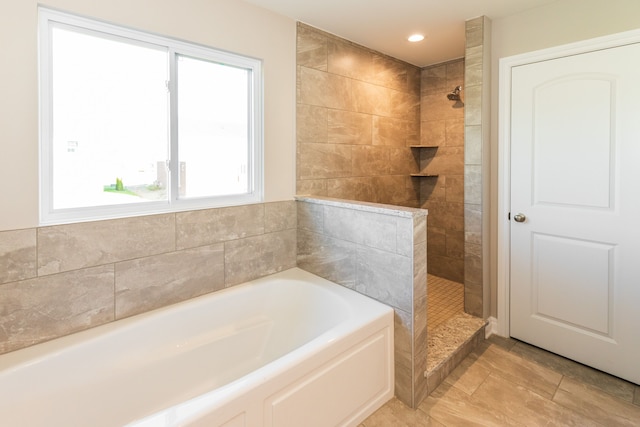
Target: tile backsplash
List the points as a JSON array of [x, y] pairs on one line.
[[62, 279]]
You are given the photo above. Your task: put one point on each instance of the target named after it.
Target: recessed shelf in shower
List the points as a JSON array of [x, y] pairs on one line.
[[424, 175]]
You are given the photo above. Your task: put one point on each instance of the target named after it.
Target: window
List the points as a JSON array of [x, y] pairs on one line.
[[134, 123]]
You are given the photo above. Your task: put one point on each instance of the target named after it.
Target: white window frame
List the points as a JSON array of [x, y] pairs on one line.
[[49, 18]]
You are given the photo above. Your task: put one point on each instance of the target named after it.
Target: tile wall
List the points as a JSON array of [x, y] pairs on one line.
[[442, 125], [476, 167], [358, 111], [62, 279], [379, 251]]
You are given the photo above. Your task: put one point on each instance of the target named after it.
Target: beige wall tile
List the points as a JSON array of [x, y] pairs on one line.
[[473, 105], [148, 283], [342, 93], [473, 298], [205, 227], [405, 236], [280, 216], [473, 270], [257, 256], [403, 356], [436, 241], [317, 187], [390, 73], [455, 244], [370, 160], [447, 161], [403, 331], [438, 107], [312, 122], [473, 71], [420, 280], [391, 189], [74, 246], [402, 161], [433, 132], [434, 80], [17, 255], [405, 105], [473, 184], [333, 259], [310, 216], [473, 145], [455, 189], [475, 32], [349, 60], [414, 77], [385, 276], [44, 308], [311, 48], [390, 131], [345, 127], [433, 189], [473, 223], [455, 73], [356, 188], [325, 90], [455, 132], [446, 267], [364, 228], [374, 100], [324, 161], [371, 99]]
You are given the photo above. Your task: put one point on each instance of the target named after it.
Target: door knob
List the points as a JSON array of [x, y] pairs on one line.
[[519, 217]]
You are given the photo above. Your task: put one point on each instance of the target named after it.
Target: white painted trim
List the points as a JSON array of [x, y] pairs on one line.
[[504, 148], [491, 328]]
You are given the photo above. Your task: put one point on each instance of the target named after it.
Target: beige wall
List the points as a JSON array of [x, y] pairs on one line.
[[226, 24], [558, 23]]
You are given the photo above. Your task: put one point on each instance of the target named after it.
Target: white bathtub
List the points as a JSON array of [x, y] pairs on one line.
[[290, 349]]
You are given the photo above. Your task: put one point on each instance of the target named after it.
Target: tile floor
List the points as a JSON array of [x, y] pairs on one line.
[[445, 300], [505, 382]]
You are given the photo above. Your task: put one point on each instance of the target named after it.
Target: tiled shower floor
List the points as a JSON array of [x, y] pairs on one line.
[[445, 300]]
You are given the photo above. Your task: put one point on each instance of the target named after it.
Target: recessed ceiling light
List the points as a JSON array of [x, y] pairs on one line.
[[416, 38]]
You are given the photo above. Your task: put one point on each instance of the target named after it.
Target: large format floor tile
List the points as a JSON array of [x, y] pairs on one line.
[[509, 383]]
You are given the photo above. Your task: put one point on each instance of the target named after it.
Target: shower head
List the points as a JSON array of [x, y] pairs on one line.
[[455, 94]]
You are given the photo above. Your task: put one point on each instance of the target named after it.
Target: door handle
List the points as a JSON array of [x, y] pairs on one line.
[[519, 217]]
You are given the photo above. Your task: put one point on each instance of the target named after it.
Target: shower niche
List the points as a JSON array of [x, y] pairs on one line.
[[427, 152]]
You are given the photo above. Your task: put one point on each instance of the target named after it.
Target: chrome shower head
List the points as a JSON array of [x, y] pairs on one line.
[[455, 94]]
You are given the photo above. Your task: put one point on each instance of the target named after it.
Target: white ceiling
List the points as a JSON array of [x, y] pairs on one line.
[[384, 25]]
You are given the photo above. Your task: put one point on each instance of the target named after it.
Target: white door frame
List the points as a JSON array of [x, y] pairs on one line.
[[504, 149]]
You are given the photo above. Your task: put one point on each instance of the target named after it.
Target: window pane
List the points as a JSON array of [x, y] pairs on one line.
[[110, 121], [213, 123]]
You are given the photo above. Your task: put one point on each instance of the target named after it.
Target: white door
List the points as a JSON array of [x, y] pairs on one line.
[[575, 179]]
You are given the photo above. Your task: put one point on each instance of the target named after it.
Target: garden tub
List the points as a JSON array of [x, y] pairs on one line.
[[290, 349]]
